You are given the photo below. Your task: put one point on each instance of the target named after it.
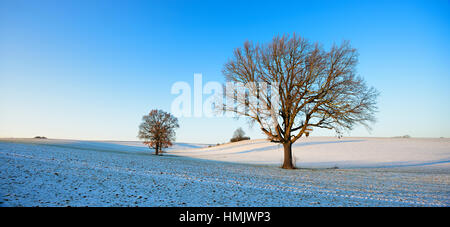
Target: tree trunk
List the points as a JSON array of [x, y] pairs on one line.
[[287, 164], [157, 150]]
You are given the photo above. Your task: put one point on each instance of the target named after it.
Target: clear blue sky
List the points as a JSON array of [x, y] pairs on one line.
[[91, 69]]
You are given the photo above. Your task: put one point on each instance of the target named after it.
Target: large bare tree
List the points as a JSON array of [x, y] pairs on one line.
[[158, 130], [314, 88]]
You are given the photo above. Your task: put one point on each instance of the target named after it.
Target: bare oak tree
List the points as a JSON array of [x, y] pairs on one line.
[[158, 130], [315, 88]]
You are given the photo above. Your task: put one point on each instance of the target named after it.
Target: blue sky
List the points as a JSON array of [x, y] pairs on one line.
[[91, 69]]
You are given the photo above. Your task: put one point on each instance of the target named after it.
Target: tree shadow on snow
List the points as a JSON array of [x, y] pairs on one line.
[[297, 145]]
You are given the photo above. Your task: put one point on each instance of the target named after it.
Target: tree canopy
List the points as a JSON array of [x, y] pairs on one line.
[[314, 88], [158, 130]]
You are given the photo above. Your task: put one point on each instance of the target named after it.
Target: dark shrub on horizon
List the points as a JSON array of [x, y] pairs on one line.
[[239, 139], [239, 135]]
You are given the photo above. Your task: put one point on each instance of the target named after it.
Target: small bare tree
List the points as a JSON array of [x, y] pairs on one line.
[[158, 130], [239, 135], [315, 88]]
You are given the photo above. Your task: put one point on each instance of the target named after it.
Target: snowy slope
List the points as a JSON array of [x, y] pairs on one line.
[[131, 147], [117, 173], [332, 152], [313, 152]]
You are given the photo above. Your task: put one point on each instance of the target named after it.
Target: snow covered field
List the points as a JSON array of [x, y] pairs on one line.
[[329, 152], [371, 172]]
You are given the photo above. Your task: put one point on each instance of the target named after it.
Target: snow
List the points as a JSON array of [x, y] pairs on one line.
[[329, 152], [372, 172]]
